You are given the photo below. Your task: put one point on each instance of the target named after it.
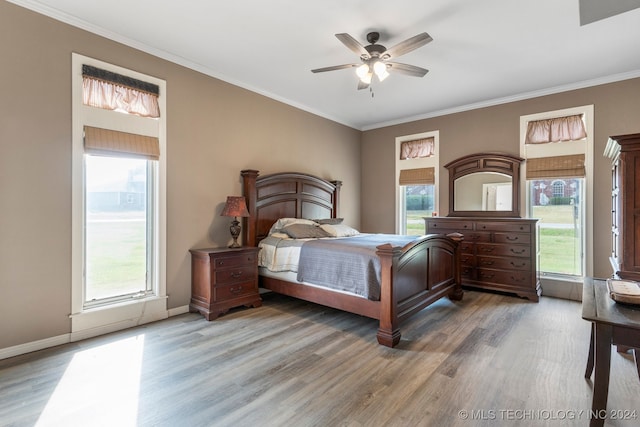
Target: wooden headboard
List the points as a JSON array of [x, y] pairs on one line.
[[285, 195]]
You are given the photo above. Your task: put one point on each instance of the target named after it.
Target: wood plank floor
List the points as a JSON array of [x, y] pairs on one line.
[[487, 360]]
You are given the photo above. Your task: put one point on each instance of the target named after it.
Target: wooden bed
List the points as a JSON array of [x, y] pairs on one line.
[[412, 277]]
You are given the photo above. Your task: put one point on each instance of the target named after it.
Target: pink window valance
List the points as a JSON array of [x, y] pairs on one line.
[[570, 128], [417, 148]]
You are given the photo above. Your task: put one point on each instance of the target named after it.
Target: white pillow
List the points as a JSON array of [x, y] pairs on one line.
[[280, 235], [283, 222], [339, 230]]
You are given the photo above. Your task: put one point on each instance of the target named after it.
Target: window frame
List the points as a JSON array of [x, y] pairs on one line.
[[558, 149], [424, 162], [87, 321]]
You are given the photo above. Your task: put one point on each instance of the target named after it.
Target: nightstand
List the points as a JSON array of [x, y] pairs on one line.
[[223, 278]]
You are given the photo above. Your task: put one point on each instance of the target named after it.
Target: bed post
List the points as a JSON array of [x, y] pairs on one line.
[[457, 293], [336, 197], [388, 331], [250, 224]]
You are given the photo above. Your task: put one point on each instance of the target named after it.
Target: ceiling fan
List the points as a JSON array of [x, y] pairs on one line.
[[376, 59]]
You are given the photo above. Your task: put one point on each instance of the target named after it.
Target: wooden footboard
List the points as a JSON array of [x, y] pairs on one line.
[[415, 276]]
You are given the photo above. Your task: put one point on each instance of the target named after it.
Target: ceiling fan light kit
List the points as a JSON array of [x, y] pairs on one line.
[[375, 58]]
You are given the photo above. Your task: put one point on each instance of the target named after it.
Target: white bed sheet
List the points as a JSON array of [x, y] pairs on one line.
[[280, 254], [291, 276]]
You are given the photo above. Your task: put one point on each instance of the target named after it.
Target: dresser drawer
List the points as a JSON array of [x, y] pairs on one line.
[[476, 237], [504, 226], [466, 259], [227, 292], [467, 247], [503, 250], [516, 279], [522, 238], [435, 226], [504, 263]]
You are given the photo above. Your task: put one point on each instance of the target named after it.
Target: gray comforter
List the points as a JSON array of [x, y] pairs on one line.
[[347, 264]]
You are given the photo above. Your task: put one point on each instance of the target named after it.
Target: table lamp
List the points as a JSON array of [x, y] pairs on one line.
[[235, 207]]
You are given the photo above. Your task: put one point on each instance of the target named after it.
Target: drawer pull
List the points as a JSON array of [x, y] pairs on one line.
[[517, 252], [236, 274], [487, 249], [487, 262], [475, 237], [516, 279], [512, 239], [487, 276], [235, 290], [522, 264]]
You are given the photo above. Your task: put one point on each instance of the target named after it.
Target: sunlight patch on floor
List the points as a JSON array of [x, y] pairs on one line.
[[100, 387]]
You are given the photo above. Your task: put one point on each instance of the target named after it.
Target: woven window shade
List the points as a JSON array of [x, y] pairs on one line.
[[112, 142], [556, 167], [417, 148], [421, 176]]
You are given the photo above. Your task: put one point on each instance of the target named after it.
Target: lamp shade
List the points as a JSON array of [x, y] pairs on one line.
[[235, 206]]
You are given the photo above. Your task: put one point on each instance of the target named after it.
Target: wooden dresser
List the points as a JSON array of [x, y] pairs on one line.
[[624, 151], [497, 253], [222, 278]]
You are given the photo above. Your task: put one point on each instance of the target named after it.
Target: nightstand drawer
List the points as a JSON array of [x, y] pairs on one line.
[[235, 275], [227, 292], [235, 260]]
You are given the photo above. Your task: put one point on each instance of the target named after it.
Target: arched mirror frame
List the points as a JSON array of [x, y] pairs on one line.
[[486, 162]]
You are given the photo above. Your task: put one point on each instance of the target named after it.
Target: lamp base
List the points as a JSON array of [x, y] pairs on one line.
[[235, 232]]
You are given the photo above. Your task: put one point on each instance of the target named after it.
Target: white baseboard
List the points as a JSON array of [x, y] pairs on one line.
[[29, 347], [178, 310], [17, 350]]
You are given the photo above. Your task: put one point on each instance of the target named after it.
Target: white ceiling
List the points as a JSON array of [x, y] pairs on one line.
[[484, 52]]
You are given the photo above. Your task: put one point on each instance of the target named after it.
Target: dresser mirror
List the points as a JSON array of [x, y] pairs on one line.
[[485, 184]]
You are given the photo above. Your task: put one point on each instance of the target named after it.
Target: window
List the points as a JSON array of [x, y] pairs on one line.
[[119, 163], [117, 263], [558, 149], [558, 188], [416, 178]]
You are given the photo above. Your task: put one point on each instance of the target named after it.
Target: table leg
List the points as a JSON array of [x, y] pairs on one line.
[[589, 370], [603, 335]]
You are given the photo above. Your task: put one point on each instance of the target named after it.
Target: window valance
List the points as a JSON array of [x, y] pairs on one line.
[[570, 128], [112, 91], [417, 148]]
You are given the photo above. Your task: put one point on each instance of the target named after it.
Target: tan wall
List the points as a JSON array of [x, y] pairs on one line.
[[617, 111], [214, 130]]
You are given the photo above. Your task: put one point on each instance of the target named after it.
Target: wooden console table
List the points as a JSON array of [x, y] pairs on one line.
[[611, 324]]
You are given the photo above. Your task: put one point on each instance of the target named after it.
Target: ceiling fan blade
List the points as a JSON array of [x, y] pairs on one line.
[[409, 70], [352, 44], [407, 45], [335, 67]]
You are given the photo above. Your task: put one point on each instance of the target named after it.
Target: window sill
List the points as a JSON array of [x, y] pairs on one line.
[[562, 287], [102, 320]]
